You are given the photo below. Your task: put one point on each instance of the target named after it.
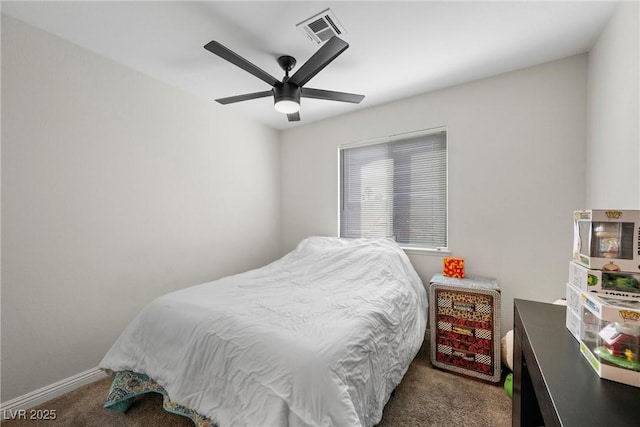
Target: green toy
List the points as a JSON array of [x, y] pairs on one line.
[[508, 385]]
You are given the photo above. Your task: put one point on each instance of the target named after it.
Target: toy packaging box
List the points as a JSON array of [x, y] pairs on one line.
[[610, 337], [619, 284], [574, 311], [453, 267], [607, 239]]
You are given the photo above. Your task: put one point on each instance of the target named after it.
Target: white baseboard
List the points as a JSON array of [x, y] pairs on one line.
[[51, 391]]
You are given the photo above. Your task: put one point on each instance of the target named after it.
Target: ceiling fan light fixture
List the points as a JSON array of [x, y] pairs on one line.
[[287, 106], [286, 98]]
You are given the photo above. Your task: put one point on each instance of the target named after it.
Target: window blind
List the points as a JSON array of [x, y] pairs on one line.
[[398, 189]]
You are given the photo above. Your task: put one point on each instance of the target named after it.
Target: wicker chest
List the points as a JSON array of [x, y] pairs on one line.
[[465, 325]]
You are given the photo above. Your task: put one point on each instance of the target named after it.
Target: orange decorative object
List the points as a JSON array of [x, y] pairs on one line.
[[453, 267]]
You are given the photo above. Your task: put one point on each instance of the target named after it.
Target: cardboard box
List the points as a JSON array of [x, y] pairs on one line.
[[574, 311], [610, 337], [618, 284]]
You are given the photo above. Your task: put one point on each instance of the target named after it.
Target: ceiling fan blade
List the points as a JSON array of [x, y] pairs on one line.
[[225, 53], [294, 117], [245, 97], [331, 95], [327, 53]]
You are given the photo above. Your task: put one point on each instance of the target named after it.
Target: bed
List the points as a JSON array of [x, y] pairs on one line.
[[320, 337]]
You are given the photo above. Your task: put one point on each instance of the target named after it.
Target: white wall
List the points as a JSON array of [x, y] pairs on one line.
[[116, 188], [613, 132], [516, 173]]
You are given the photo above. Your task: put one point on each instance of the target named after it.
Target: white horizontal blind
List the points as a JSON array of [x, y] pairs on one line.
[[396, 189]]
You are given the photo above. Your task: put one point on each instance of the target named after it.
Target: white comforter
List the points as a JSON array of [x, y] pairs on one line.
[[319, 337]]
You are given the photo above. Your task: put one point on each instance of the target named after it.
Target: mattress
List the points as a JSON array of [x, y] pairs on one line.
[[319, 337]]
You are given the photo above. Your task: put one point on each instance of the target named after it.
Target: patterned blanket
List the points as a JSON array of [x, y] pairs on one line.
[[127, 385]]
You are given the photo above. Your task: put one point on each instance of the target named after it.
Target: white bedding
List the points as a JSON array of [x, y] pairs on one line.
[[319, 337]]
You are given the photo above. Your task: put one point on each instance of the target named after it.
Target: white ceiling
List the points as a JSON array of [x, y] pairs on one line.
[[397, 49]]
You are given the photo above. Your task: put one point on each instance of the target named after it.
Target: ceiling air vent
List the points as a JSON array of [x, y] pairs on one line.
[[322, 27]]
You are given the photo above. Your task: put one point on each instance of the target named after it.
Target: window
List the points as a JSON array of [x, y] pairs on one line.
[[396, 187]]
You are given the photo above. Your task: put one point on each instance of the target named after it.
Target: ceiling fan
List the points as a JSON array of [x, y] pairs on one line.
[[287, 93]]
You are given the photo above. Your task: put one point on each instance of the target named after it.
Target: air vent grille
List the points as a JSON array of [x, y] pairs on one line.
[[318, 25], [322, 27]]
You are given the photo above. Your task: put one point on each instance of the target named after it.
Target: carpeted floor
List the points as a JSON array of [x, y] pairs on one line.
[[426, 397]]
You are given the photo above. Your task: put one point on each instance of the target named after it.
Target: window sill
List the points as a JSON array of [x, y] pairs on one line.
[[425, 251]]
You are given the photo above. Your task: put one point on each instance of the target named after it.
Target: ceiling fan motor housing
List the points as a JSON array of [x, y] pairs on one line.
[[286, 92]]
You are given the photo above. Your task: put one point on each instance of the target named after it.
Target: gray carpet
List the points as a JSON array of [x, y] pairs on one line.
[[426, 397]]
